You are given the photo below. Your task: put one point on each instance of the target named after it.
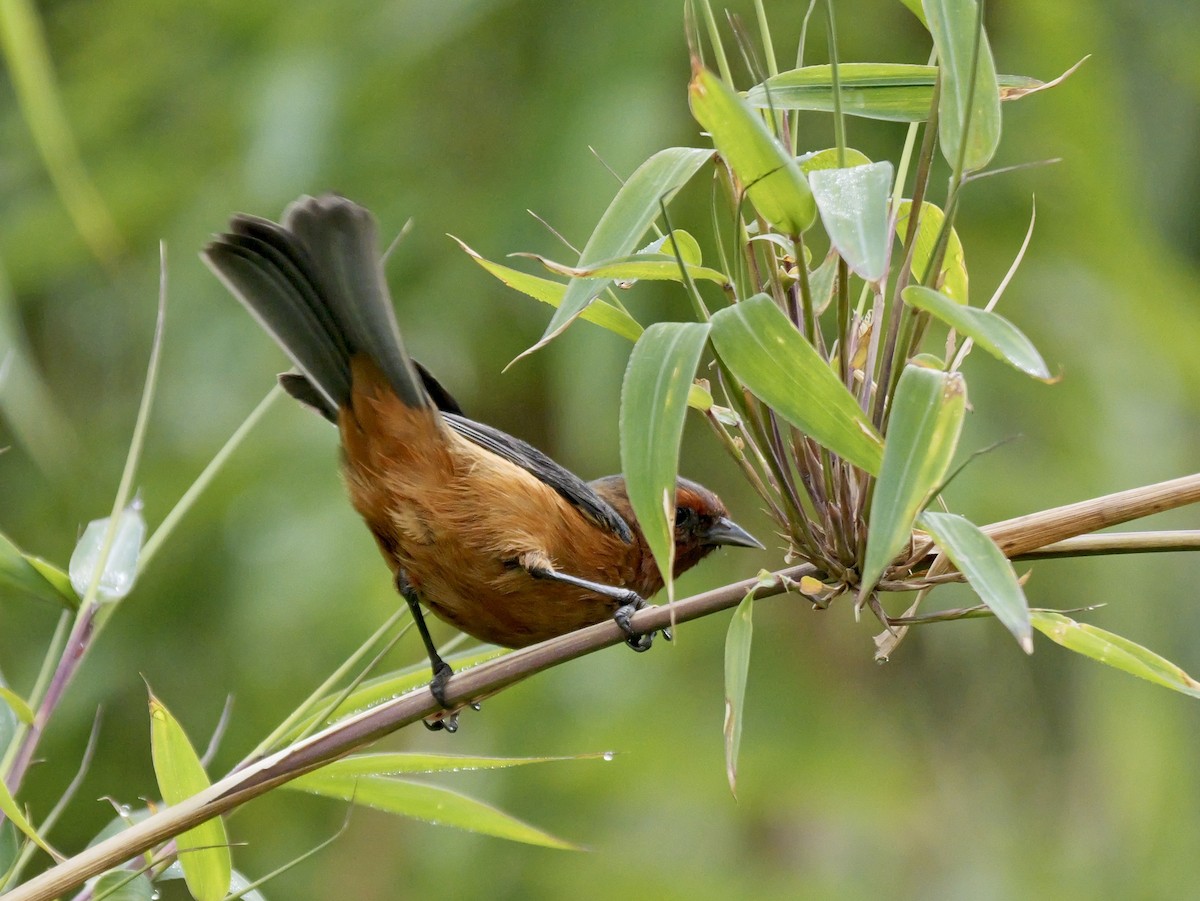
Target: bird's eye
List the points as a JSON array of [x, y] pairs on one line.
[[684, 515]]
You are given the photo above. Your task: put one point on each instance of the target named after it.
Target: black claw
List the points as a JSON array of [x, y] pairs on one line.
[[639, 641], [447, 722]]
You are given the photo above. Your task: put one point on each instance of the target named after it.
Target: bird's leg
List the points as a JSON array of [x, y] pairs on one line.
[[538, 566], [441, 669]]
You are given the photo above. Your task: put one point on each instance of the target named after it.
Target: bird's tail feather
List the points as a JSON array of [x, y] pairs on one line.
[[315, 283]]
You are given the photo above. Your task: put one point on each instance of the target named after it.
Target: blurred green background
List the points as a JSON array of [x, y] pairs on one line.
[[959, 770]]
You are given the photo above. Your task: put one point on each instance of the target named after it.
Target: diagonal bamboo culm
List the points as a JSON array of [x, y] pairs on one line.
[[1018, 536]]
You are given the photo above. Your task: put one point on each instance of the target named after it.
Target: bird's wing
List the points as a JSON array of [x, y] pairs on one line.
[[568, 485]]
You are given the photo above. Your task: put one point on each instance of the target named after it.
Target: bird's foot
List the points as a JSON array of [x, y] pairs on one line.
[[639, 641], [447, 719]]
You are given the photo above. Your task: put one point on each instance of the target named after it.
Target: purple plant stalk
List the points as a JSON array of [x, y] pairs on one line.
[[76, 648]]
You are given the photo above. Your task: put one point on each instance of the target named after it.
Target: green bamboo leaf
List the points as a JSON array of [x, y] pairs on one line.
[[854, 210], [772, 178], [988, 571], [829, 159], [32, 75], [408, 764], [204, 849], [654, 398], [677, 241], [637, 204], [428, 803], [10, 851], [12, 810], [737, 668], [771, 358], [926, 419], [989, 330], [1115, 651], [122, 885], [821, 281], [26, 574], [17, 704], [914, 7], [954, 25], [894, 92], [654, 266], [8, 729], [599, 312], [952, 280]]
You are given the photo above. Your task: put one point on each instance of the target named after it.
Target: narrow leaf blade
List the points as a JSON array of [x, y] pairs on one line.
[[769, 173], [18, 705], [988, 571], [927, 416], [854, 209], [404, 763], [428, 803], [1115, 651], [829, 158], [969, 106], [25, 574], [952, 280], [28, 62], [204, 849], [989, 330], [123, 885], [12, 810], [656, 266], [737, 668], [771, 358], [894, 92], [636, 205], [599, 312], [654, 398]]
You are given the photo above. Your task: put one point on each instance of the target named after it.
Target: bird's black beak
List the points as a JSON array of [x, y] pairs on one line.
[[726, 531]]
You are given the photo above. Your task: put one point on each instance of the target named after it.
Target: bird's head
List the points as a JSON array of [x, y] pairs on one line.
[[702, 525]]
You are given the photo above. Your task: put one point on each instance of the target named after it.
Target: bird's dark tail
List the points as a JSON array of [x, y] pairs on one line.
[[316, 284]]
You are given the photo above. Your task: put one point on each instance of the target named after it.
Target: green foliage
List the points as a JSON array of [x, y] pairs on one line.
[[852, 427], [737, 670], [203, 850], [927, 419], [462, 124], [989, 572], [654, 401]]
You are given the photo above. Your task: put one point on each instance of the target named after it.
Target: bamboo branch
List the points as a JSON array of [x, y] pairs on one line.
[[1024, 534], [1043, 533], [1108, 543], [369, 726]]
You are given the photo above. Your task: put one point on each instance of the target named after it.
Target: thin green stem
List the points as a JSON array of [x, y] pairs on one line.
[[307, 705], [184, 504]]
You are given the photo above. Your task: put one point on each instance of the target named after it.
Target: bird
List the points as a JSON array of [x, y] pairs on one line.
[[481, 528]]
